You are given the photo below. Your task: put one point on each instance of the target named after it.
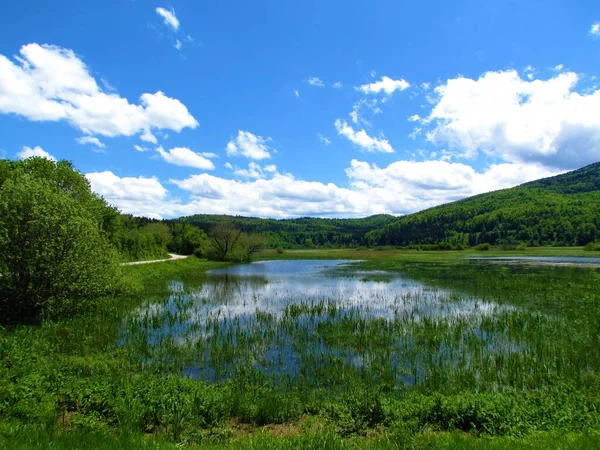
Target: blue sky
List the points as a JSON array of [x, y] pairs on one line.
[[314, 108]]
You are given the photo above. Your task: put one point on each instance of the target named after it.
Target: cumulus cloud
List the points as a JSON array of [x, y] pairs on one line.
[[90, 140], [400, 188], [140, 196], [408, 186], [362, 139], [28, 152], [314, 81], [248, 145], [50, 83], [595, 29], [182, 156], [279, 196], [337, 85], [386, 84], [169, 17], [502, 115], [255, 170]]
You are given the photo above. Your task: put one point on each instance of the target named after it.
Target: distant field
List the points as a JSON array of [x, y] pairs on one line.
[[419, 255]]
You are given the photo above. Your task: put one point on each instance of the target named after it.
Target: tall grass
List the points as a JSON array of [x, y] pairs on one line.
[[421, 350]]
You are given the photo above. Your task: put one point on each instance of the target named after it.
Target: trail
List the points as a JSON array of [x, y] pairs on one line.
[[173, 257]]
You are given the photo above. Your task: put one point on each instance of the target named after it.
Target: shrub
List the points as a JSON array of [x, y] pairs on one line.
[[54, 258]]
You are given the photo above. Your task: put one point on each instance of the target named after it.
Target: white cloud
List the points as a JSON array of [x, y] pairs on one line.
[[400, 188], [387, 85], [249, 145], [177, 44], [558, 68], [408, 186], [147, 136], [595, 29], [364, 104], [140, 148], [182, 156], [50, 83], [169, 18], [502, 115], [323, 139], [362, 139], [314, 81], [296, 93], [228, 165], [255, 170], [90, 140], [28, 152], [279, 196], [337, 85], [140, 196], [529, 72]]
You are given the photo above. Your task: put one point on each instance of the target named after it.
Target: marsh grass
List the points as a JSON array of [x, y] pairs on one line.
[[454, 355]]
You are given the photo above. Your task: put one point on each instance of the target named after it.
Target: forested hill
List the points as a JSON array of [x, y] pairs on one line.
[[560, 210], [298, 233]]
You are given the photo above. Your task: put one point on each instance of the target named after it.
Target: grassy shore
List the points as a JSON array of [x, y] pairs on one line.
[[525, 378]]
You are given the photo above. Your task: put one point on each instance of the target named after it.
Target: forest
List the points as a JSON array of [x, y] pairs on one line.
[[561, 211]]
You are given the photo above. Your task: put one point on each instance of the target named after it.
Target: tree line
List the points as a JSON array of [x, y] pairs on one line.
[[61, 245]]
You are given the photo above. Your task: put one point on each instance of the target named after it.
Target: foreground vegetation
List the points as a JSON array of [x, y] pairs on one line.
[[530, 380]]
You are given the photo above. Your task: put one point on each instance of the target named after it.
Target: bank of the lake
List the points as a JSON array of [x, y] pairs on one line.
[[516, 367]]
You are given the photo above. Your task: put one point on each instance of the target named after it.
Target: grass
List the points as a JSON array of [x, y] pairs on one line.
[[467, 355]]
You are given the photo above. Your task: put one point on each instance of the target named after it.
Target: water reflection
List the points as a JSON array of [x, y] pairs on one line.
[[305, 318]]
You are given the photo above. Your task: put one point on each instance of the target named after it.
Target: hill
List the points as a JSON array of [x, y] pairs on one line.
[[298, 233], [560, 210]]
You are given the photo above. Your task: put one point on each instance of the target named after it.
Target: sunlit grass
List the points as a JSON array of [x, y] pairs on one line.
[[456, 355]]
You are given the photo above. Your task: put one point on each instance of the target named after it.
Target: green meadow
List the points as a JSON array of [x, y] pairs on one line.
[[393, 349]]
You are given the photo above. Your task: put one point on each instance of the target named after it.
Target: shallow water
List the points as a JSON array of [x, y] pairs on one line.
[[305, 318]]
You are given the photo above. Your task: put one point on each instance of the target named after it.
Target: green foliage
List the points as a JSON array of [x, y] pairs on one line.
[[227, 243], [188, 240], [304, 232], [561, 210], [55, 255], [139, 238]]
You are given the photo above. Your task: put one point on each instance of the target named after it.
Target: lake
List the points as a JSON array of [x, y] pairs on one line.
[[318, 321]]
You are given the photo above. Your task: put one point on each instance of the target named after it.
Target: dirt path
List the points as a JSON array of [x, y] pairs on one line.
[[173, 257]]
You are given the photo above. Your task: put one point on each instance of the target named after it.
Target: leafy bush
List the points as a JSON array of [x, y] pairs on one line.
[[55, 257], [592, 247]]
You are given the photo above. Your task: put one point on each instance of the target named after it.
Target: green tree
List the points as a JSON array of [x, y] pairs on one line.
[[55, 255], [223, 241]]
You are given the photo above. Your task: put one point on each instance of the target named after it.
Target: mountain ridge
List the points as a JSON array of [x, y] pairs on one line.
[[559, 210]]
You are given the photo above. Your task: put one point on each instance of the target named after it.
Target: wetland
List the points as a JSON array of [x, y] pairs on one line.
[[339, 349]]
